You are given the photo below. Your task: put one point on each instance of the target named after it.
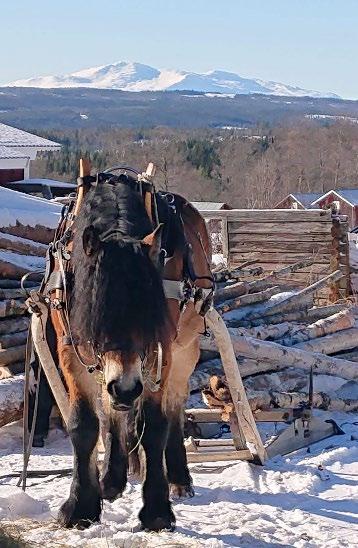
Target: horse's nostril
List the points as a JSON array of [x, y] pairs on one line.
[[113, 389], [137, 390]]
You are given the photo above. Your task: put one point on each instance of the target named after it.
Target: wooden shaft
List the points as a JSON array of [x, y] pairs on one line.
[[148, 205], [237, 389], [85, 170], [38, 326]]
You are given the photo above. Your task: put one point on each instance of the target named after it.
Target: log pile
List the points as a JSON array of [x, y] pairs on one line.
[[26, 226], [281, 335], [13, 311]]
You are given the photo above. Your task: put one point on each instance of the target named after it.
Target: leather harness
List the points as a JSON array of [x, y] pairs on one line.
[[58, 272]]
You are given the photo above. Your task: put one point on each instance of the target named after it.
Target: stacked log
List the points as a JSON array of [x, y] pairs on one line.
[[275, 333]]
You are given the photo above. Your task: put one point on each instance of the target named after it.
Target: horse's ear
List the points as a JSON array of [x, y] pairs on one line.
[[154, 241], [90, 240]]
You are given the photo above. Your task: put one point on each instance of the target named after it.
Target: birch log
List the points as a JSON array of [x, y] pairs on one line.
[[14, 325], [237, 274], [13, 339], [291, 302], [12, 355], [251, 298], [15, 293], [11, 398], [241, 288], [296, 316], [270, 399], [330, 344], [22, 245], [263, 333], [326, 326], [265, 354], [16, 284]]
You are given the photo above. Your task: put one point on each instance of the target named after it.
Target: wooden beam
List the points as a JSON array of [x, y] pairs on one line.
[[269, 215]]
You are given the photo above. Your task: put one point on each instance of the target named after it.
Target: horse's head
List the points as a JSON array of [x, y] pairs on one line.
[[118, 304]]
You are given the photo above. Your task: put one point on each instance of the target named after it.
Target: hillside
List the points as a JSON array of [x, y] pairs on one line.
[[30, 108], [247, 168]]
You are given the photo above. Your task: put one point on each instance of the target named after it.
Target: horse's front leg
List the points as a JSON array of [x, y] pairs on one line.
[[156, 513], [181, 484], [115, 466], [83, 505]]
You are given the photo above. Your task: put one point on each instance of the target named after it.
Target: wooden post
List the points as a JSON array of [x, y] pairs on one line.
[[237, 389], [225, 239]]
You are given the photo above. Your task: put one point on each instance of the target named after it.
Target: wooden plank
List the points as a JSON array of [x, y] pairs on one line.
[[236, 227], [323, 268], [281, 247], [279, 237], [212, 456], [263, 215], [204, 415], [225, 238], [280, 258]]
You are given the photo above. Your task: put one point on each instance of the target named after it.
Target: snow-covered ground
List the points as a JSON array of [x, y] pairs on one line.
[[288, 502]]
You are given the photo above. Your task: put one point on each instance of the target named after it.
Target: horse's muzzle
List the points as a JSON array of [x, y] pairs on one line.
[[123, 399]]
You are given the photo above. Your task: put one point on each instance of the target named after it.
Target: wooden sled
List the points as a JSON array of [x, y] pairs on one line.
[[246, 444]]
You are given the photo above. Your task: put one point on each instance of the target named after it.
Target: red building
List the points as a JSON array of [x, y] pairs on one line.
[[343, 201], [17, 149], [298, 200]]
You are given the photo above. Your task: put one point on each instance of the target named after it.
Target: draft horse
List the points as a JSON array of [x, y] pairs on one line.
[[136, 282]]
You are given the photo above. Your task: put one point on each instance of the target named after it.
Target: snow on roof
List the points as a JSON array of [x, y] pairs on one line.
[[306, 198], [17, 207], [7, 153], [202, 206], [14, 137], [350, 195]]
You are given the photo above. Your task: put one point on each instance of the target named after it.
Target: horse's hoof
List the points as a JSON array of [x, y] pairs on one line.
[[38, 441], [79, 514], [181, 491], [151, 522]]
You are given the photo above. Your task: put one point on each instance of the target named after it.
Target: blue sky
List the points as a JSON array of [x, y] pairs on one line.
[[309, 43]]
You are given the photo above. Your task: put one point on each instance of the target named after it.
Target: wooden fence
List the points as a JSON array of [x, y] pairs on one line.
[[278, 237]]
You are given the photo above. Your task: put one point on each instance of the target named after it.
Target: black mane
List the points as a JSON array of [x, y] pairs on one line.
[[117, 300]]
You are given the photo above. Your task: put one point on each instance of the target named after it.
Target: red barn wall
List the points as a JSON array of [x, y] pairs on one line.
[[344, 208], [11, 175]]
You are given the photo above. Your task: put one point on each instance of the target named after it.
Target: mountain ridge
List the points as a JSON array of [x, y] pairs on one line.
[[133, 76]]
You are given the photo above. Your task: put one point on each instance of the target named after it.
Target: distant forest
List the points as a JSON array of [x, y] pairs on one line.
[[253, 167]]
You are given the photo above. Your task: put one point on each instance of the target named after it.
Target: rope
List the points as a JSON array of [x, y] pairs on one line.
[[139, 439]]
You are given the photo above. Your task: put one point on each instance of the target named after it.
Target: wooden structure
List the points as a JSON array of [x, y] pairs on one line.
[[273, 238]]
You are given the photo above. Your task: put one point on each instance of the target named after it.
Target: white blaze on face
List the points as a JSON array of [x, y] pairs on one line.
[[127, 373]]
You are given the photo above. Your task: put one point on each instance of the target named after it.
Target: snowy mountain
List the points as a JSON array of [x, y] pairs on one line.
[[129, 76]]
